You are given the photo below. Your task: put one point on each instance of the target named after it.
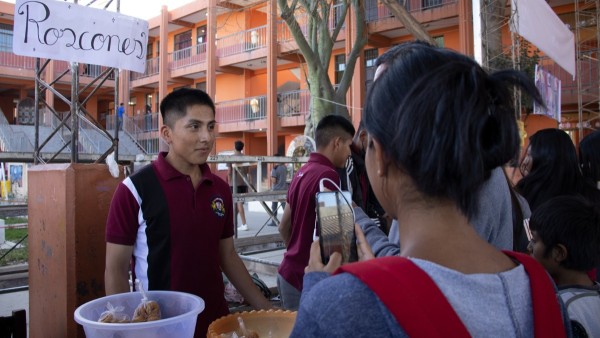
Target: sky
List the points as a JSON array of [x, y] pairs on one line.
[[143, 9]]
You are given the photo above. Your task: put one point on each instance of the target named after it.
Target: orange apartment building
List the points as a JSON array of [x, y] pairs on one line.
[[243, 55]]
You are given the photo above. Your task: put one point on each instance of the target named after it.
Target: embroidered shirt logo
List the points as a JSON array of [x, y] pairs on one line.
[[218, 207]]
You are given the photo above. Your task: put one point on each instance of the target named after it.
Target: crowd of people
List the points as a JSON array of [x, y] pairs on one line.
[[446, 244]]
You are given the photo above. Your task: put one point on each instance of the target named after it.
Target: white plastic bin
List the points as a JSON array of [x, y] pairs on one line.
[[179, 311]]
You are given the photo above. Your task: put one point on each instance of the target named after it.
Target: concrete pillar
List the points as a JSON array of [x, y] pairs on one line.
[[465, 27], [163, 63], [68, 206], [272, 48]]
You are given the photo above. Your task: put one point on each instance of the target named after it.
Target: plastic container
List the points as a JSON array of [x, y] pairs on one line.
[[179, 312], [272, 323]]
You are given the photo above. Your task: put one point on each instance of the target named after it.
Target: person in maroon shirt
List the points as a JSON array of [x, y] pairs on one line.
[[175, 218], [333, 137]]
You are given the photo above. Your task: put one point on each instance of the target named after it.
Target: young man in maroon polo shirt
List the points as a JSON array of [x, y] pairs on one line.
[[333, 137], [175, 218]]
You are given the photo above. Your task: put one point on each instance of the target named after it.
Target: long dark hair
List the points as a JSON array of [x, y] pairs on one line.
[[443, 120], [589, 156], [554, 169]]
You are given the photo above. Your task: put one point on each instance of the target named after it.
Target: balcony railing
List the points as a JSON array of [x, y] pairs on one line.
[[248, 109], [283, 32], [293, 103], [9, 59], [152, 68], [244, 41], [375, 10], [85, 70], [188, 56]]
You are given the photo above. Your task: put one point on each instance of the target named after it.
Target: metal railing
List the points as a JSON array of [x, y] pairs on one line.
[[14, 141], [247, 109], [85, 70], [375, 10], [293, 103], [142, 129], [244, 41], [283, 32], [188, 56], [91, 139], [152, 68], [10, 59]]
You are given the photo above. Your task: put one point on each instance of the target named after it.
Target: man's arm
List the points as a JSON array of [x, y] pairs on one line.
[[116, 274], [379, 242], [236, 272], [285, 225]]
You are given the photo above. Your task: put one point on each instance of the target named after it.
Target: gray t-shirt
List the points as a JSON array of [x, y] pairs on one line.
[[489, 305], [493, 221], [280, 174]]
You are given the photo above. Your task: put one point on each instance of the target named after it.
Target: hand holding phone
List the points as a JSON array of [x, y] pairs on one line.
[[335, 226]]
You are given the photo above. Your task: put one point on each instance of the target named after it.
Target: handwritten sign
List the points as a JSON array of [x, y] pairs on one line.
[[65, 31]]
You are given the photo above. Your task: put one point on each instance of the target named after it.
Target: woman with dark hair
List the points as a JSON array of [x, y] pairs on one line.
[[426, 159], [589, 157], [550, 168]]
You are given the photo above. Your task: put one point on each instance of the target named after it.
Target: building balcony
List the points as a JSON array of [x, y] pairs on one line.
[[187, 61], [292, 107], [242, 46], [16, 65], [243, 114], [87, 72], [150, 74], [380, 18]]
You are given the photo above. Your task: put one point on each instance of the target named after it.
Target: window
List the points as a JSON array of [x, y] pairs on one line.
[[149, 51], [431, 3], [6, 37], [183, 40], [157, 48], [340, 67], [201, 34], [439, 40], [370, 58]]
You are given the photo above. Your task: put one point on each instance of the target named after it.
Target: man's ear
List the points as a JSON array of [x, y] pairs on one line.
[[560, 253], [165, 133]]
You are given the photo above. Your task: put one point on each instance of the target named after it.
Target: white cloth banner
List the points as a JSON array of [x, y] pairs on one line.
[[536, 21], [61, 30]]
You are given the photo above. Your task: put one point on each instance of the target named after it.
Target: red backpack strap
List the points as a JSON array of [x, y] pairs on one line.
[[547, 317], [410, 295]]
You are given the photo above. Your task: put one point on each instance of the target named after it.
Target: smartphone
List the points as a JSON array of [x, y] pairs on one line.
[[335, 226]]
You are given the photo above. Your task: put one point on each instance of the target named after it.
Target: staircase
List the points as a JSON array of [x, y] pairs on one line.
[[92, 140]]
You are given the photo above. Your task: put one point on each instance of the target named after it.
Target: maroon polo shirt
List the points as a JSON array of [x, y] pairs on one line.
[[175, 232], [301, 199]]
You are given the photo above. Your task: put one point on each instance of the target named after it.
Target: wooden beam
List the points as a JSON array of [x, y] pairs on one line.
[[229, 5], [182, 23], [378, 41], [292, 57], [231, 70]]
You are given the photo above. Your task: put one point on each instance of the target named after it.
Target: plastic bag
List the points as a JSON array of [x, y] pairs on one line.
[[232, 294], [148, 310], [113, 314]]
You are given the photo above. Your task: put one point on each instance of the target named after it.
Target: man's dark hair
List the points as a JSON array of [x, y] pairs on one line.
[[332, 126], [174, 106], [239, 145], [574, 222]]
